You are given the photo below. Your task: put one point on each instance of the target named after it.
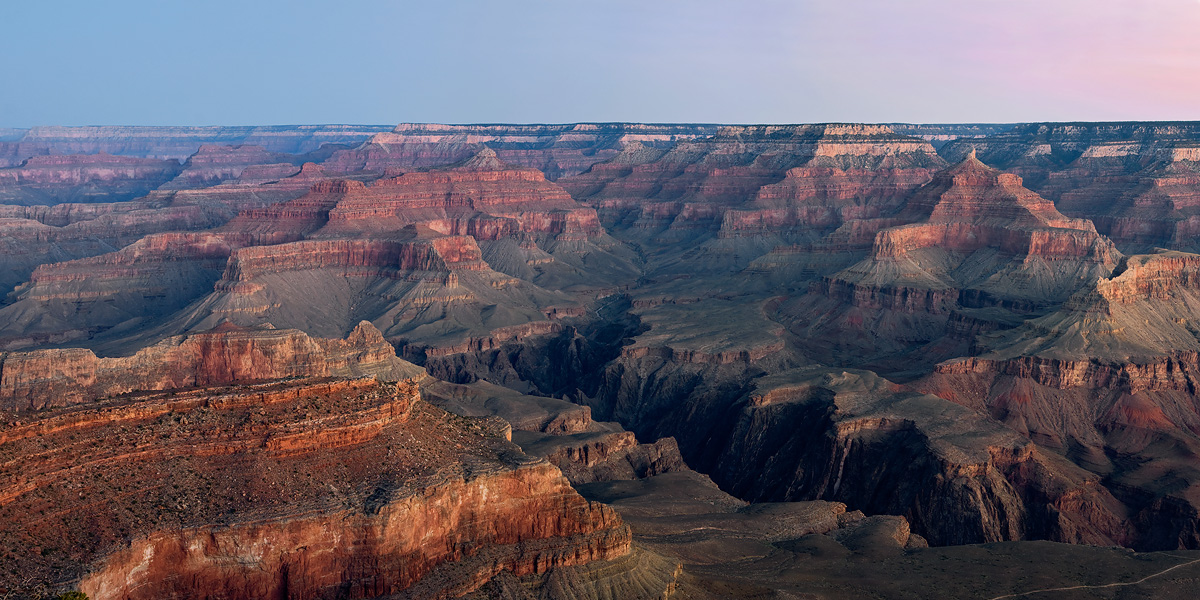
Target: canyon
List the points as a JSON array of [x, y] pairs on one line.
[[599, 360]]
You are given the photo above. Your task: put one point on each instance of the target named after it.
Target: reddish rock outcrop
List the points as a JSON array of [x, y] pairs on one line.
[[1110, 376], [308, 489], [223, 356], [299, 216], [823, 199], [482, 197], [257, 187], [1136, 181], [365, 258]]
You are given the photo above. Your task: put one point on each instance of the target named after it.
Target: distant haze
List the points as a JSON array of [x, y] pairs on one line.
[[765, 61]]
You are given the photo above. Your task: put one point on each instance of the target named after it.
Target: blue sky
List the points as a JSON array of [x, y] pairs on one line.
[[167, 62]]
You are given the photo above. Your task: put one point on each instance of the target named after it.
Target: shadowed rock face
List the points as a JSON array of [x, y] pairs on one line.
[[853, 437], [346, 488]]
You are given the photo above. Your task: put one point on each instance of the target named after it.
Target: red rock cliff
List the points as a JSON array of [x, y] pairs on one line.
[[307, 489]]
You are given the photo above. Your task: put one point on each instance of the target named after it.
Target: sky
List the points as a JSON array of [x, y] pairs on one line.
[[261, 62]]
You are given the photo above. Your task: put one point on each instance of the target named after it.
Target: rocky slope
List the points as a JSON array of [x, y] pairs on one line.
[[223, 491]]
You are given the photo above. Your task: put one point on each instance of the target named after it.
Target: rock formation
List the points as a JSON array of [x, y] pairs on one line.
[[975, 239], [312, 488], [694, 183], [1111, 373], [555, 150], [1134, 180], [225, 355], [83, 178], [212, 164], [867, 349], [181, 142]]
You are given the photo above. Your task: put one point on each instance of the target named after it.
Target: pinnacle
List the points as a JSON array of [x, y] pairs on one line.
[[484, 160]]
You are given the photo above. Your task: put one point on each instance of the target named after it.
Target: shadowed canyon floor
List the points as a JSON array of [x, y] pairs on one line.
[[601, 361]]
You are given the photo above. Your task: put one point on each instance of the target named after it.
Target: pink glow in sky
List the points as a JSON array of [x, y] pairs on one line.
[[386, 61], [1029, 59]]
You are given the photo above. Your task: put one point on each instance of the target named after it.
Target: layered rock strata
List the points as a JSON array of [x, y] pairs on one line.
[[1109, 380], [1136, 181], [314, 488], [83, 178], [977, 239], [555, 150], [226, 355], [693, 184], [181, 142]]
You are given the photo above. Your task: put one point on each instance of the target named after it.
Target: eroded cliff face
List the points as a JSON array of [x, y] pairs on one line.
[[820, 434], [975, 239], [1134, 180], [53, 179], [694, 184], [482, 197], [313, 489], [213, 164], [1110, 375], [226, 355]]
